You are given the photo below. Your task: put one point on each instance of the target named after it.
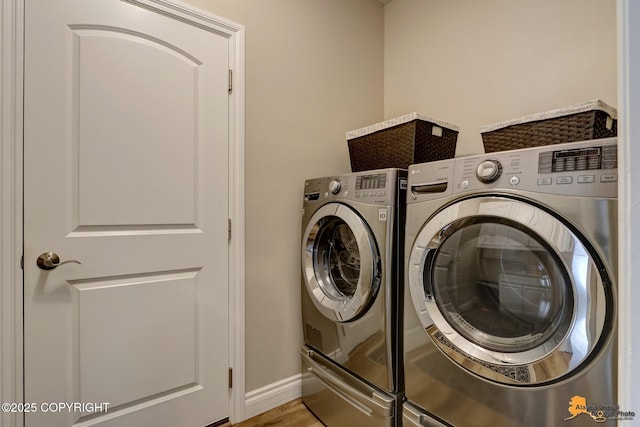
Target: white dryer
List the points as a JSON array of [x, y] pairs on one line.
[[510, 312], [352, 257]]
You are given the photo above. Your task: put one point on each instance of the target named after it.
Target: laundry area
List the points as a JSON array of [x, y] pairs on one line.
[[504, 281], [499, 292], [381, 213]]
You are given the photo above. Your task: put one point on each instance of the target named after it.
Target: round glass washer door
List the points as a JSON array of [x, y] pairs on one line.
[[507, 291], [340, 262]]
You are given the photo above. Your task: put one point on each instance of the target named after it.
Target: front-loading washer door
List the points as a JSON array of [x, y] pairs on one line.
[[508, 291], [340, 262]]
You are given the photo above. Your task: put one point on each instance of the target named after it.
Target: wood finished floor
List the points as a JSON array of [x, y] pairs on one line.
[[292, 414]]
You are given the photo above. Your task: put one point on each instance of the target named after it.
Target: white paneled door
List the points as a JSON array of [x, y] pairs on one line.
[[126, 172]]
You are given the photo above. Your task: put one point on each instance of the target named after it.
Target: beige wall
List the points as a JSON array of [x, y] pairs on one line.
[[314, 69], [474, 63]]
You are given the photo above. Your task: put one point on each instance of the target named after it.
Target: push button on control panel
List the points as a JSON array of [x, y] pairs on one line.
[[545, 181], [564, 180]]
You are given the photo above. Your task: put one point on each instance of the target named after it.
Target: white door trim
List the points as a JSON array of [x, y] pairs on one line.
[[628, 14], [11, 368], [11, 146]]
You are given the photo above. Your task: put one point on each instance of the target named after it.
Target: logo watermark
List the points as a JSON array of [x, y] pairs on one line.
[[599, 412]]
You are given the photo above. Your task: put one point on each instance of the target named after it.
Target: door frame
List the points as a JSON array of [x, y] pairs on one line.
[[628, 16], [11, 197]]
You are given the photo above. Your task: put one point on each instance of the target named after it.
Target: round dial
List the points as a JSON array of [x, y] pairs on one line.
[[334, 186], [488, 171]]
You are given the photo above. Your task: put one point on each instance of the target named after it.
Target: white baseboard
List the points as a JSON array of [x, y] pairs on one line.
[[272, 395]]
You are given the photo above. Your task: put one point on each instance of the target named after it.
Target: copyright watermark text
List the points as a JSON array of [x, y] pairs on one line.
[[55, 407]]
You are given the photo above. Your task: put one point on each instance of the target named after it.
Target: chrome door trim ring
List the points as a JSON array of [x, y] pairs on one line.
[[342, 310], [565, 243]]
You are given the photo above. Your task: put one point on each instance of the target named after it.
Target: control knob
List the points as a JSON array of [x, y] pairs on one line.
[[488, 171], [335, 186]]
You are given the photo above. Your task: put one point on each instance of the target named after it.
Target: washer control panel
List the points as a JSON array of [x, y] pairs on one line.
[[586, 168]]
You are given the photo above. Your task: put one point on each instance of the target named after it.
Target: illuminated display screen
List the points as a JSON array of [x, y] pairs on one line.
[[577, 153], [371, 182], [579, 159]]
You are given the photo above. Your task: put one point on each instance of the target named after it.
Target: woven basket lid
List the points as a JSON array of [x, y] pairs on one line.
[[594, 104], [398, 121]]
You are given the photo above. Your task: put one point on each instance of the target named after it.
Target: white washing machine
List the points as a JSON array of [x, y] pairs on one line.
[[352, 265], [510, 309]]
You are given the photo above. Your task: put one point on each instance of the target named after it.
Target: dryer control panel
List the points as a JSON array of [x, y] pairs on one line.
[[371, 187], [586, 168]]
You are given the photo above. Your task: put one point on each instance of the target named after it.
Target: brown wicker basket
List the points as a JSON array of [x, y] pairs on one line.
[[400, 142], [580, 122]]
